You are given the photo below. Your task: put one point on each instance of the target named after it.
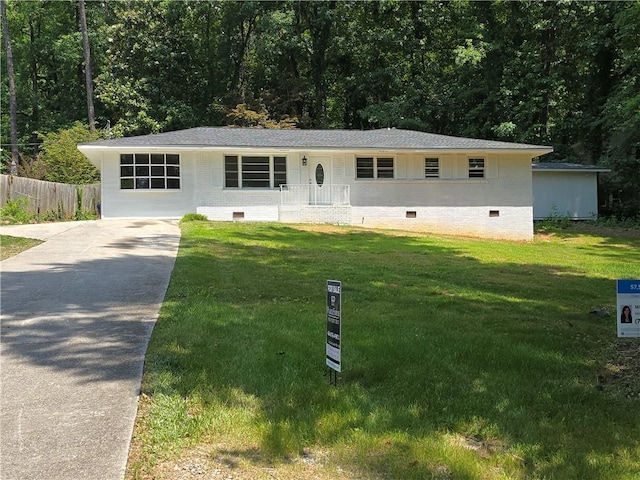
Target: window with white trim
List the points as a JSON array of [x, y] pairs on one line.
[[476, 168], [432, 167], [149, 171], [374, 167], [254, 171]]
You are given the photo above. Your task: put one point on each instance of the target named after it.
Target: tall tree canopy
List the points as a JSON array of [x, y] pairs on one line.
[[560, 73]]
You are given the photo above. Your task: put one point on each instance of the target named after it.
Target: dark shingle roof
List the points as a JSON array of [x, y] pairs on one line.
[[383, 139], [567, 167]]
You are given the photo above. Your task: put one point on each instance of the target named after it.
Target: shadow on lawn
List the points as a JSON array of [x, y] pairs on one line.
[[437, 347]]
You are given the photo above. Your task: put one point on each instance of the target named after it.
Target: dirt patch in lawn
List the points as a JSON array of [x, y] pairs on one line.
[[222, 462], [621, 374], [605, 231], [546, 231]]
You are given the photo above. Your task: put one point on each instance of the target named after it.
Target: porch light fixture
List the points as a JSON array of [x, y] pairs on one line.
[[304, 160]]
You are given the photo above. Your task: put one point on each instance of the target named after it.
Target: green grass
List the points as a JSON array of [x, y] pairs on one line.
[[463, 358], [10, 246]]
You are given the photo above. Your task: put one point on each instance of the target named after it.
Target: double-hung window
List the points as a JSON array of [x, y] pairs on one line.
[[149, 171], [254, 171], [476, 168], [431, 167], [374, 167]]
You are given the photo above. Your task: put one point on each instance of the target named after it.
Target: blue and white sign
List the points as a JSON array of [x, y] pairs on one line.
[[334, 330], [628, 317]]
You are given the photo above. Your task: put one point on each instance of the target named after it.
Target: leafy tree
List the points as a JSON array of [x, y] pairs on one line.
[[241, 116], [64, 162], [622, 118], [560, 73], [32, 167]]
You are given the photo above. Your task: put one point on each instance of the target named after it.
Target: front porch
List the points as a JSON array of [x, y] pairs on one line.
[[316, 195], [315, 204]]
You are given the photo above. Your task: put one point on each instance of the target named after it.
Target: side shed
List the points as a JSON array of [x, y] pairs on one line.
[[565, 189]]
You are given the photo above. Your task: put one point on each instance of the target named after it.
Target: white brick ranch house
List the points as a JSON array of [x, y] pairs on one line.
[[388, 178]]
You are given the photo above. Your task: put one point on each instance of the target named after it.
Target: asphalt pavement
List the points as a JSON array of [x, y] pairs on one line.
[[77, 314]]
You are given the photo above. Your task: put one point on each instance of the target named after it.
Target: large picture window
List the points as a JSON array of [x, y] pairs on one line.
[[254, 171], [149, 171], [371, 167]]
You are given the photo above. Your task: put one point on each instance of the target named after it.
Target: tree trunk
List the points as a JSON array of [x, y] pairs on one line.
[[87, 67], [318, 18], [245, 31], [13, 103], [35, 97]]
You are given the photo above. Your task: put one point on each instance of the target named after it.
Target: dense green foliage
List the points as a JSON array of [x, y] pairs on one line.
[[63, 161], [560, 73], [15, 211]]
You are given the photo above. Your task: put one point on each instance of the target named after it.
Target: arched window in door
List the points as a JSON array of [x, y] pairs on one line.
[[319, 175]]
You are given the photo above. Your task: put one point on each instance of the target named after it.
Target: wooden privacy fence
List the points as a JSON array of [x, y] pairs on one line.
[[62, 199]]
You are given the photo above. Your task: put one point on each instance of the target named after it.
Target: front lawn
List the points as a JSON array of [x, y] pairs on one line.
[[11, 246], [463, 358]]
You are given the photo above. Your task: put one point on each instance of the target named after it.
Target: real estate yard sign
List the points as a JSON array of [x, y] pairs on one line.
[[628, 317], [334, 318]]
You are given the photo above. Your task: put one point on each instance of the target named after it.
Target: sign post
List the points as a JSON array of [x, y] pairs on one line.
[[628, 317], [334, 331]]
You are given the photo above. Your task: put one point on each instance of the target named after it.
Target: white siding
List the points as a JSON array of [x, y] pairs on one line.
[[574, 194], [452, 203], [218, 203], [117, 203], [497, 206]]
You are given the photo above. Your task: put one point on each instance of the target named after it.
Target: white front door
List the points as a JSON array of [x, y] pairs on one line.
[[320, 181]]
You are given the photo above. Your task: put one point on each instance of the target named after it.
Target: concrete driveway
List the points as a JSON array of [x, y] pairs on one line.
[[77, 313]]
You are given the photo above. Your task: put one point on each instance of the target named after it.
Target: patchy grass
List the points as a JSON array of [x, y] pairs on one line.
[[11, 246], [463, 358], [597, 228], [621, 374]]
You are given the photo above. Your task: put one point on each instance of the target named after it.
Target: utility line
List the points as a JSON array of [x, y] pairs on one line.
[[19, 144]]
